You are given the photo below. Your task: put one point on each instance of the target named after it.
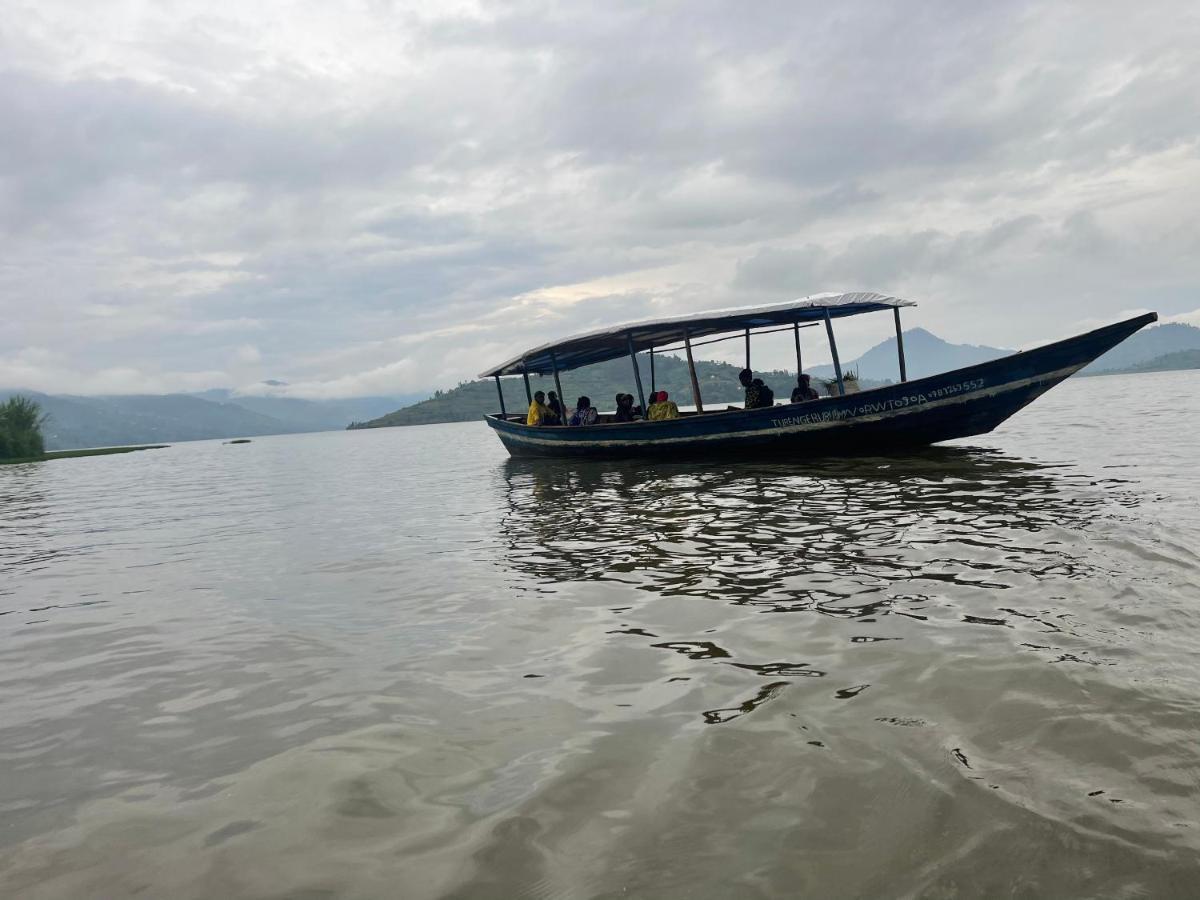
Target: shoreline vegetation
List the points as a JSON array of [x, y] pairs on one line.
[[21, 421], [72, 454], [21, 439]]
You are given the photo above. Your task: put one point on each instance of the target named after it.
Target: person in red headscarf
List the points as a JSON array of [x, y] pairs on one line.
[[662, 408]]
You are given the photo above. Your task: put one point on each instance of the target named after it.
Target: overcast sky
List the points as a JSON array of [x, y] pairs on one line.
[[373, 198]]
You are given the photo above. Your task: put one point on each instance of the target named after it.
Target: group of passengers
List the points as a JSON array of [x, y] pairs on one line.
[[543, 411], [550, 411], [759, 394]]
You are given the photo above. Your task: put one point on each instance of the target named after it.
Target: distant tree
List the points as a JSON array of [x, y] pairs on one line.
[[21, 421]]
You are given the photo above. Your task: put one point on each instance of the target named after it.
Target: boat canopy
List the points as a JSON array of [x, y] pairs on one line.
[[610, 343]]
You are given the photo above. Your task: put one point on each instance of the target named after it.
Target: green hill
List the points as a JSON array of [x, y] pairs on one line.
[[474, 399], [1146, 348], [1168, 362], [74, 422]]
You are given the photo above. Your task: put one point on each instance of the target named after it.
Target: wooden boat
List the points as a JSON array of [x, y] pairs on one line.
[[896, 417]]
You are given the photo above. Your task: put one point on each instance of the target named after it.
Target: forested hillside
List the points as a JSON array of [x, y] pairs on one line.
[[1146, 346], [474, 399]]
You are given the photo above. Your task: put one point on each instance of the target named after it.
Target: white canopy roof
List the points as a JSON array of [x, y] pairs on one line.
[[609, 343]]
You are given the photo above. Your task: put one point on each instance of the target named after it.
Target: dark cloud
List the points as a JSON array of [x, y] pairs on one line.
[[357, 197]]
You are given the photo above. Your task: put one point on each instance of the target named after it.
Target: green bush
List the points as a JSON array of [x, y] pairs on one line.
[[21, 421]]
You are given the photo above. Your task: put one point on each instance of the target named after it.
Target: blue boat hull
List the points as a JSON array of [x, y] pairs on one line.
[[955, 404]]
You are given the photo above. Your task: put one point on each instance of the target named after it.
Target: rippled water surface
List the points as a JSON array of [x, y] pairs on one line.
[[398, 664]]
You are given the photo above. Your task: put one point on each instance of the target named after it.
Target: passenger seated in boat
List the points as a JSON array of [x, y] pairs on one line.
[[766, 396], [624, 411], [558, 412], [635, 411], [803, 391], [757, 393], [662, 408], [585, 413], [538, 410]]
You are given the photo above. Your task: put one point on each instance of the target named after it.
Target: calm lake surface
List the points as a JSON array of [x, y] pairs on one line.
[[396, 663]]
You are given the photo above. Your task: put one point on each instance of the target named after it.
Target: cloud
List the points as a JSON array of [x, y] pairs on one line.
[[385, 197], [45, 370], [1187, 318], [247, 354]]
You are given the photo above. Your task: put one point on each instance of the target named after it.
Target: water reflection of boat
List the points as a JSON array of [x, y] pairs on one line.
[[872, 549], [960, 403], [764, 535]]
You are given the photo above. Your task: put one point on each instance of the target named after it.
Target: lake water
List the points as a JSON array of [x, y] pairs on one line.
[[396, 663]]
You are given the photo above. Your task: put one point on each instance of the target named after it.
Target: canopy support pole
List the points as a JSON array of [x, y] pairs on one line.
[[637, 372], [837, 366], [500, 391], [558, 385], [747, 348], [900, 345], [653, 389], [687, 343], [525, 375], [799, 363]]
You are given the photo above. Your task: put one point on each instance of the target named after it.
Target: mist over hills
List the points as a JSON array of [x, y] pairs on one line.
[[101, 421], [313, 415], [77, 422]]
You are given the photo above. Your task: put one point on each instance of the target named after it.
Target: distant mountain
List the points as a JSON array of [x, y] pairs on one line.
[[76, 422], [313, 415], [1171, 362], [924, 354], [1147, 345], [927, 354], [1168, 362]]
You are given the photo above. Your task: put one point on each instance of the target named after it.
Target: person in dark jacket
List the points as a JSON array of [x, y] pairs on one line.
[[803, 391], [758, 394], [624, 411]]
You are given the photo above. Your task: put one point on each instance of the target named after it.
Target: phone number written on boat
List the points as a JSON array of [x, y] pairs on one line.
[[868, 409]]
